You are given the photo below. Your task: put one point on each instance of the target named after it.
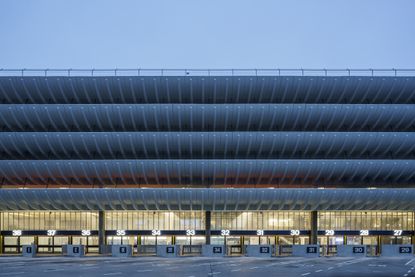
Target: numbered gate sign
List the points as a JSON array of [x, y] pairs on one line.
[[311, 249], [123, 249], [76, 250], [358, 249], [264, 249], [29, 250], [170, 250], [217, 250], [405, 250]]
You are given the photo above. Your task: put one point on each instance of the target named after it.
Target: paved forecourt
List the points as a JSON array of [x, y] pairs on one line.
[[200, 266]]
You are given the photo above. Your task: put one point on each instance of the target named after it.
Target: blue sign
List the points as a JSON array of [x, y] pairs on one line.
[[217, 249], [358, 249], [264, 249]]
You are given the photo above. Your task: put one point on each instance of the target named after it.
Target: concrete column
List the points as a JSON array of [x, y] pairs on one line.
[[101, 230], [1, 244], [18, 245], [314, 227], [413, 229], [1, 237], [36, 242], [379, 241], [208, 219]]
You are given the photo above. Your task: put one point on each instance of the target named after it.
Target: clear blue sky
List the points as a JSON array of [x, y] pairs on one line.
[[207, 33]]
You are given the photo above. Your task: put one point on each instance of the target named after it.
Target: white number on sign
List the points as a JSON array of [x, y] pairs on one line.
[[86, 232], [260, 232], [397, 232], [17, 233], [51, 232], [190, 232], [358, 249], [364, 232], [155, 232], [225, 232], [329, 232], [120, 232], [295, 232], [404, 250]]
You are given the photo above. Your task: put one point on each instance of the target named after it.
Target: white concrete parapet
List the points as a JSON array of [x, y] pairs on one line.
[[121, 250], [259, 250], [29, 250], [308, 250], [351, 250], [213, 250], [397, 250], [75, 250], [168, 250]]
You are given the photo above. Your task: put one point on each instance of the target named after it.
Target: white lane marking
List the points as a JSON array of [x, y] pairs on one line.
[[213, 273], [213, 263], [409, 262], [255, 267], [147, 263], [305, 274], [112, 273], [53, 270], [405, 275], [11, 273], [350, 262], [144, 270], [90, 267], [233, 270], [320, 270], [330, 268], [288, 262]]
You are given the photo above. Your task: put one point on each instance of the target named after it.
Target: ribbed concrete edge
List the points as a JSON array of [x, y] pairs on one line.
[[207, 199]]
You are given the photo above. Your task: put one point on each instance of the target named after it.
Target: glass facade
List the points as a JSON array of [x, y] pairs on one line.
[[270, 220], [157, 220], [195, 220], [49, 220], [366, 220]]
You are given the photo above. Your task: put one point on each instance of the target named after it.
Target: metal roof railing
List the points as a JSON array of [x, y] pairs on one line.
[[206, 72]]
